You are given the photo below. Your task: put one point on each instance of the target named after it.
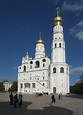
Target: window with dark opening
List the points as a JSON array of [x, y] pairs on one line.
[[24, 68], [37, 64], [27, 85], [55, 45], [31, 62], [33, 85], [54, 70], [43, 65], [44, 60], [59, 45], [61, 70]]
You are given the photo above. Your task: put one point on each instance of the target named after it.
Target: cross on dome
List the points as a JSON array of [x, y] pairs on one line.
[[57, 20]]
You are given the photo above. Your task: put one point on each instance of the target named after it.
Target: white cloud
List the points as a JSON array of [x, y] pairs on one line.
[[79, 35], [80, 24], [76, 71], [72, 30], [77, 30], [72, 7]]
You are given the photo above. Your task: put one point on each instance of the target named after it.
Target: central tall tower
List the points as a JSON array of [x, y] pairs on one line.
[[58, 43], [59, 69]]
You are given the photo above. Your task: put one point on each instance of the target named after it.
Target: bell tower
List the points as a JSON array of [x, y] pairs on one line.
[[59, 67], [58, 43]]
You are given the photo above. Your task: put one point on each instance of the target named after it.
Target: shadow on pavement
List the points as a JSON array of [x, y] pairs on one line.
[[75, 96], [7, 109]]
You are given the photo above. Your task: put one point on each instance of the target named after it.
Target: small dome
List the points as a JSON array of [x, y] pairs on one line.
[[58, 20], [40, 41]]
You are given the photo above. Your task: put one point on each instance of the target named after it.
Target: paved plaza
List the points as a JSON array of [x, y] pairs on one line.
[[41, 105]]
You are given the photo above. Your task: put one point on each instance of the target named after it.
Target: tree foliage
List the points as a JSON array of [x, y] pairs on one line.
[[1, 87], [13, 87], [77, 88]]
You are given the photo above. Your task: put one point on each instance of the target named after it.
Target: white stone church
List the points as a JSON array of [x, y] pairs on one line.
[[42, 74]]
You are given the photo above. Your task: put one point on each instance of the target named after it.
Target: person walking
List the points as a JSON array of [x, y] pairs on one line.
[[15, 99], [11, 98], [53, 99], [21, 98], [60, 95]]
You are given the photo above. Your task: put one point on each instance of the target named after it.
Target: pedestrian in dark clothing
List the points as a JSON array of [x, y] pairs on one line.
[[15, 100], [19, 100], [11, 98], [53, 99]]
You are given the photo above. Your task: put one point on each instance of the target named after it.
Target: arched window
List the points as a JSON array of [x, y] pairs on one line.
[[37, 64], [59, 45], [33, 85], [43, 64], [54, 70], [24, 68], [55, 45], [61, 70]]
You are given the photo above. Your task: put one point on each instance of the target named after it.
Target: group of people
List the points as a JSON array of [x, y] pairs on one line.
[[15, 99], [53, 97]]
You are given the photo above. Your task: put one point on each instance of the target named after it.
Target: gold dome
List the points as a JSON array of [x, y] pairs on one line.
[[40, 41], [57, 20]]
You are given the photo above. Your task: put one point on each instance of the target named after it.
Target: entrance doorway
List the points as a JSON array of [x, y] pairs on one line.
[[54, 90]]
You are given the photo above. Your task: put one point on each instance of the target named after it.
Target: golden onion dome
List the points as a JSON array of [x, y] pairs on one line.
[[58, 20], [40, 41]]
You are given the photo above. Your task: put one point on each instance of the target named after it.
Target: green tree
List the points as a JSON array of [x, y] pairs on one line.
[[81, 88], [1, 87], [5, 80], [13, 87], [77, 88]]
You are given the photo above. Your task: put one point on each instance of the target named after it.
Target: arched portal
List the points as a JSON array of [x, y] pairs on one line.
[[54, 90]]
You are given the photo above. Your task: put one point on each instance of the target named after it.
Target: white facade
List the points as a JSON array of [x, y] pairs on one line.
[[7, 85], [42, 74]]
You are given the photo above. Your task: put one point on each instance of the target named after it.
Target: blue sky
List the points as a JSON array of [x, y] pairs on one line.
[[20, 24]]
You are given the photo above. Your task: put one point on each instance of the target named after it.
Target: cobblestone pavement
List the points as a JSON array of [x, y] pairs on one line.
[[41, 105]]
